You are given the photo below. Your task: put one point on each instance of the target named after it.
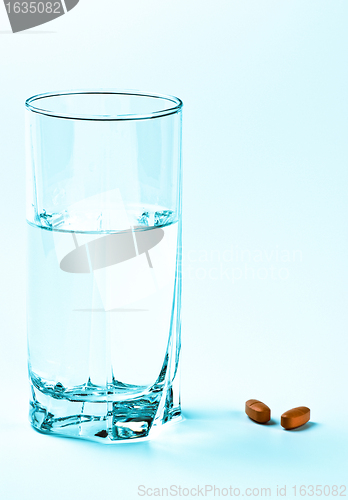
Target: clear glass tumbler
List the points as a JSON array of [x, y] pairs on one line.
[[104, 262]]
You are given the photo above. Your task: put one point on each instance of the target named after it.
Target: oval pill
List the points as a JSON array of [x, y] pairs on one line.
[[295, 417], [257, 411]]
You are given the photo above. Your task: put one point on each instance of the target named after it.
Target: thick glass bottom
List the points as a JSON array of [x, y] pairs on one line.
[[97, 416]]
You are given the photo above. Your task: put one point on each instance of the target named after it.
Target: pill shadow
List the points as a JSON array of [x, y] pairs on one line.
[[270, 422], [305, 427]]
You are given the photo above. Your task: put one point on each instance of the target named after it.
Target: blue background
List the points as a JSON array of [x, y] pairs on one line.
[[264, 85]]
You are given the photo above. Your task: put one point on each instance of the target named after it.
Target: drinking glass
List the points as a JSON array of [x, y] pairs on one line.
[[104, 262]]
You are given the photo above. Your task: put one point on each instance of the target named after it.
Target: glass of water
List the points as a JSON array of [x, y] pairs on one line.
[[104, 262]]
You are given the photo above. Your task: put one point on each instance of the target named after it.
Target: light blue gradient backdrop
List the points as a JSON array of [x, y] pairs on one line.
[[264, 85]]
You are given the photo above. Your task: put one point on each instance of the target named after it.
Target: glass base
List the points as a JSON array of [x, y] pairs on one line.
[[98, 418]]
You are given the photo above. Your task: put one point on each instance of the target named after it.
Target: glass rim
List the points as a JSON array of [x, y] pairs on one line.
[[177, 105]]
